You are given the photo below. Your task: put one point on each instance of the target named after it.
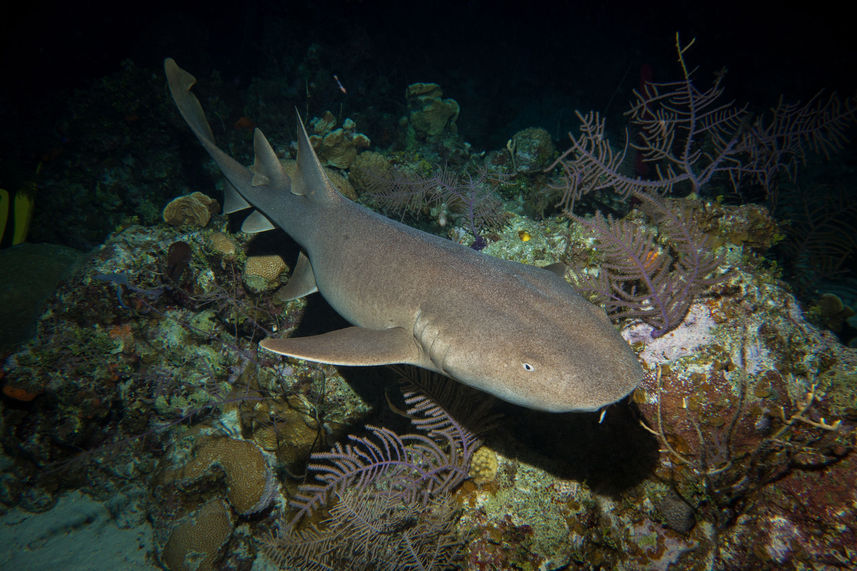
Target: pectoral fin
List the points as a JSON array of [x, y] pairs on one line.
[[256, 223], [354, 346]]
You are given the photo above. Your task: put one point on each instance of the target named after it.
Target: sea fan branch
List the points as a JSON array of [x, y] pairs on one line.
[[691, 136], [639, 280]]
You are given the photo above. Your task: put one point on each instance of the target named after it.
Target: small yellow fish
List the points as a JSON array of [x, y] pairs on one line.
[[524, 235]]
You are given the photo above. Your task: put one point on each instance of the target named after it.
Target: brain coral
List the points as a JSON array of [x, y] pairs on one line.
[[195, 542], [261, 273], [250, 482]]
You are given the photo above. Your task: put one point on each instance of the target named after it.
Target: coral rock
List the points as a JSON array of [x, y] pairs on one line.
[[429, 114], [367, 169], [195, 543], [249, 479], [532, 150], [191, 209], [223, 245], [483, 466]]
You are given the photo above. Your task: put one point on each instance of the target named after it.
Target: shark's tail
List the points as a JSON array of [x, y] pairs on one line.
[[181, 82], [267, 171]]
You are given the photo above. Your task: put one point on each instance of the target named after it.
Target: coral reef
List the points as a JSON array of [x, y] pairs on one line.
[[751, 406], [147, 354], [737, 451]]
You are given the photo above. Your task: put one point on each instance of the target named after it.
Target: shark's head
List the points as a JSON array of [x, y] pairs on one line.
[[557, 362]]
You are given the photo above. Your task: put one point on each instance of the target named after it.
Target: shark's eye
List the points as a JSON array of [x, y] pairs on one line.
[[528, 367]]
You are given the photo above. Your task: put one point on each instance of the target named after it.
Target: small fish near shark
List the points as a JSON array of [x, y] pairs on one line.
[[515, 331]]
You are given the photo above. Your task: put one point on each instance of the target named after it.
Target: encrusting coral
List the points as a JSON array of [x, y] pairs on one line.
[[193, 209]]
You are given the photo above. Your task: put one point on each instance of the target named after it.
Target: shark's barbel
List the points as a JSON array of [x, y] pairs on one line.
[[515, 331]]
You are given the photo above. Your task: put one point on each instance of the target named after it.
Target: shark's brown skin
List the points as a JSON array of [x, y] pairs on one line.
[[512, 330]]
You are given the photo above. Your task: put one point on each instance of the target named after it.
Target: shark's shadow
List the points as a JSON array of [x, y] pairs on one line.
[[612, 455]]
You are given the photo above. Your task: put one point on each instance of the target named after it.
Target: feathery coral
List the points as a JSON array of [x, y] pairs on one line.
[[638, 279], [388, 495], [690, 136]]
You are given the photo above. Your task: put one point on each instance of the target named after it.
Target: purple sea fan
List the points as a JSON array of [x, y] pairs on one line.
[[691, 136], [638, 279]]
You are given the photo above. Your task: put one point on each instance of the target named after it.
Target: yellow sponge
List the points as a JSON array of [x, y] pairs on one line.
[[4, 211], [23, 213]]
